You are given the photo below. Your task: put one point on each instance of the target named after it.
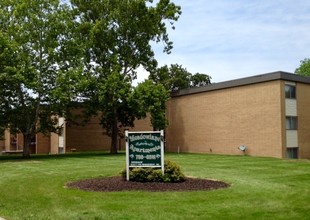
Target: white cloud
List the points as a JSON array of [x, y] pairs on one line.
[[232, 39]]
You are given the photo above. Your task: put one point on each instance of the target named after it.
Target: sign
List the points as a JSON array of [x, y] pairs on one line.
[[144, 149]]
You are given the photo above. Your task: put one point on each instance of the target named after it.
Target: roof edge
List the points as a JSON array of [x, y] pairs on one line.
[[279, 75]]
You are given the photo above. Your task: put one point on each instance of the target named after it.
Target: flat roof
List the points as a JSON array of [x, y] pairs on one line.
[[279, 75]]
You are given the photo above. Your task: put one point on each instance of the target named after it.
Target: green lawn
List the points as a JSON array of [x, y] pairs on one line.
[[261, 188]]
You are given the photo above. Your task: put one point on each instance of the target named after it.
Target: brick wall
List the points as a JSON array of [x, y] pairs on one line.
[[43, 144], [2, 146], [219, 121], [303, 106], [92, 137], [88, 137]]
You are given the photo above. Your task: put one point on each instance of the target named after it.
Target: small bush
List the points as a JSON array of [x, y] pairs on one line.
[[172, 174], [140, 174], [155, 176]]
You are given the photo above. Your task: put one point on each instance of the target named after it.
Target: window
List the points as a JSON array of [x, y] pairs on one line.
[[292, 152], [291, 123], [290, 92]]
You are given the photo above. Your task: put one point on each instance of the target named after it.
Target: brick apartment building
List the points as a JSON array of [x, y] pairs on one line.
[[269, 115], [40, 144]]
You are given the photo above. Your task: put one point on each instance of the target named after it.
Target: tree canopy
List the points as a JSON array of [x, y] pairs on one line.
[[304, 68], [151, 98], [116, 38], [54, 53], [177, 77], [35, 74]]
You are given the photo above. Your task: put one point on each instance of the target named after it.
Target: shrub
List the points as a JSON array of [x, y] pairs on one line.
[[172, 174], [140, 174], [155, 176]]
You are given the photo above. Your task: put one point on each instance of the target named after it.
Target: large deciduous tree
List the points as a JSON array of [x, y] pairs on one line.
[[7, 61], [35, 68], [117, 38], [200, 79], [173, 78], [177, 77], [304, 68]]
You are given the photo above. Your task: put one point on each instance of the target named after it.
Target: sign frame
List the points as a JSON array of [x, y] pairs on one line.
[[145, 152]]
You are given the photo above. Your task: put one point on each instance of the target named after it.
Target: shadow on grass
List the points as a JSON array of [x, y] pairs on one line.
[[60, 156]]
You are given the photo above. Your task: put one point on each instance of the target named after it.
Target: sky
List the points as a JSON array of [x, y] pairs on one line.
[[231, 39]]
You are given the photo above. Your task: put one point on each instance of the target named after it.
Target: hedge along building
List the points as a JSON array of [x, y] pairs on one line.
[[269, 114]]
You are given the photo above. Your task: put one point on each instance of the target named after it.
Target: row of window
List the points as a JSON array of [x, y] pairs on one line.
[[290, 93], [291, 121]]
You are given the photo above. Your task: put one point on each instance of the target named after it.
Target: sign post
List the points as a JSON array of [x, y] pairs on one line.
[[144, 149]]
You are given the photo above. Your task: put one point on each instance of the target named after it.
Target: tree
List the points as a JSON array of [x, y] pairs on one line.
[[113, 96], [200, 79], [35, 71], [304, 68], [151, 98], [117, 38], [174, 78], [6, 64], [177, 77]]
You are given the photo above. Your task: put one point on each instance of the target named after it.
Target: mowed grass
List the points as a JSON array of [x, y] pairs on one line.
[[261, 188]]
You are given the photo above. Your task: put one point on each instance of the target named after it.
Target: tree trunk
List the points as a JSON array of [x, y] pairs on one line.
[[114, 138], [27, 142]]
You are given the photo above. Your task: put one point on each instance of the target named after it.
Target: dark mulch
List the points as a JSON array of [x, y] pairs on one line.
[[113, 184]]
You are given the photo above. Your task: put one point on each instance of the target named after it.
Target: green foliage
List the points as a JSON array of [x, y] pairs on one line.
[[200, 79], [173, 78], [6, 67], [155, 176], [304, 68], [36, 71], [177, 77], [149, 97], [141, 174], [54, 53], [172, 174], [113, 98], [116, 39]]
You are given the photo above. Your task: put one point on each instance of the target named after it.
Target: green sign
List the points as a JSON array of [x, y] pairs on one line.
[[144, 149]]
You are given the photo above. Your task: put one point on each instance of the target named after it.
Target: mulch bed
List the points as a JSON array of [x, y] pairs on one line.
[[117, 183]]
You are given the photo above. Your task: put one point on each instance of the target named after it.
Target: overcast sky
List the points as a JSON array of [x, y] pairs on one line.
[[231, 39]]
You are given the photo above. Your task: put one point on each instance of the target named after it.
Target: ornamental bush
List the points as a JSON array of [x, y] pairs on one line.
[[172, 174]]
